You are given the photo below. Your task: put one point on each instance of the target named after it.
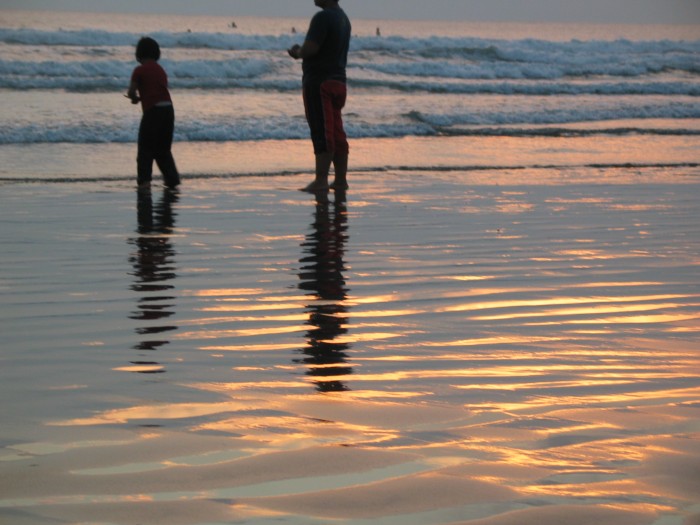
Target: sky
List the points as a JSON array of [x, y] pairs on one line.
[[595, 11]]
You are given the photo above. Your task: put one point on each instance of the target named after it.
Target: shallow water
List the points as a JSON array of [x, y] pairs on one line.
[[440, 346]]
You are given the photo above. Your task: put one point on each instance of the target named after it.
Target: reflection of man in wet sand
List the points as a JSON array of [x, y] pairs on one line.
[[321, 276], [325, 55]]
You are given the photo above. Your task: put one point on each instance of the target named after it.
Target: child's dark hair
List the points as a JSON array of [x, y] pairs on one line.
[[147, 48]]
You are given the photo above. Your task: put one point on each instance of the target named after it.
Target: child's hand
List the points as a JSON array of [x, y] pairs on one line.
[[134, 99]]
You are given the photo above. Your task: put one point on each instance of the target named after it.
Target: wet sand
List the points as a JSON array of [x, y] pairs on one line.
[[483, 347]]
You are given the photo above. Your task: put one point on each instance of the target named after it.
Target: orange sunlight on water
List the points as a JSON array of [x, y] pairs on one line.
[[528, 353]]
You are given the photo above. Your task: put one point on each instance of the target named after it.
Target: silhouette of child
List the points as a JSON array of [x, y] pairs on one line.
[[149, 85]]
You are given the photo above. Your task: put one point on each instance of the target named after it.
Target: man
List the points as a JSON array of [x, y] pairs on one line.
[[325, 55]]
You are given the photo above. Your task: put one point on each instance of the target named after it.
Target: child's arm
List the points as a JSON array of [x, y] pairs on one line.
[[132, 93]]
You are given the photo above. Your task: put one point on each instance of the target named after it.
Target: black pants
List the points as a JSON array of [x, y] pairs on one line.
[[155, 142]]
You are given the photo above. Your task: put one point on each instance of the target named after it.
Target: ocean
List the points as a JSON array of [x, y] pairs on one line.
[[62, 76]]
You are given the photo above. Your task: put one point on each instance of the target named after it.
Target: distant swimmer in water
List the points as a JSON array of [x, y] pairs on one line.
[[379, 32], [233, 25]]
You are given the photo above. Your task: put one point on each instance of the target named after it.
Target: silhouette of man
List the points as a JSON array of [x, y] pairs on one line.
[[325, 54]]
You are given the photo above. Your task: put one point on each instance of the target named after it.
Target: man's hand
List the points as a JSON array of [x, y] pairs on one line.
[[295, 51]]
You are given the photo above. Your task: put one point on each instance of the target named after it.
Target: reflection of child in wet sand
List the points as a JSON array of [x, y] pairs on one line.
[[149, 85]]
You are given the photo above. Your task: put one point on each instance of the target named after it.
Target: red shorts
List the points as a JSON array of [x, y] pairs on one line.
[[323, 104]]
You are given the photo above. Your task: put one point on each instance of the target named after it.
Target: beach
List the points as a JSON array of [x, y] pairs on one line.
[[497, 324], [436, 346]]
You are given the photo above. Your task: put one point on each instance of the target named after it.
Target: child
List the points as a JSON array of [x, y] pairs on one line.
[[149, 85]]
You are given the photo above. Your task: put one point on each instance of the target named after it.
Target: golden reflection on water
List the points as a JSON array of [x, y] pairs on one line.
[[431, 357], [563, 301], [542, 374]]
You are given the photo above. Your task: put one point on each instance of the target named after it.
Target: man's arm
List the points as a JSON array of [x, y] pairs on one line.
[[309, 49]]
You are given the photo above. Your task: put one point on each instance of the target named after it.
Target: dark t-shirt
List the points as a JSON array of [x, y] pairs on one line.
[[331, 30]]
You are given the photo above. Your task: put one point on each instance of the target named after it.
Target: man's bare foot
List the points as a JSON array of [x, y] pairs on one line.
[[315, 187]]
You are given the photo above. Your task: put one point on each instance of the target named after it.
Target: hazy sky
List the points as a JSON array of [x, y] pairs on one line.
[[614, 11]]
